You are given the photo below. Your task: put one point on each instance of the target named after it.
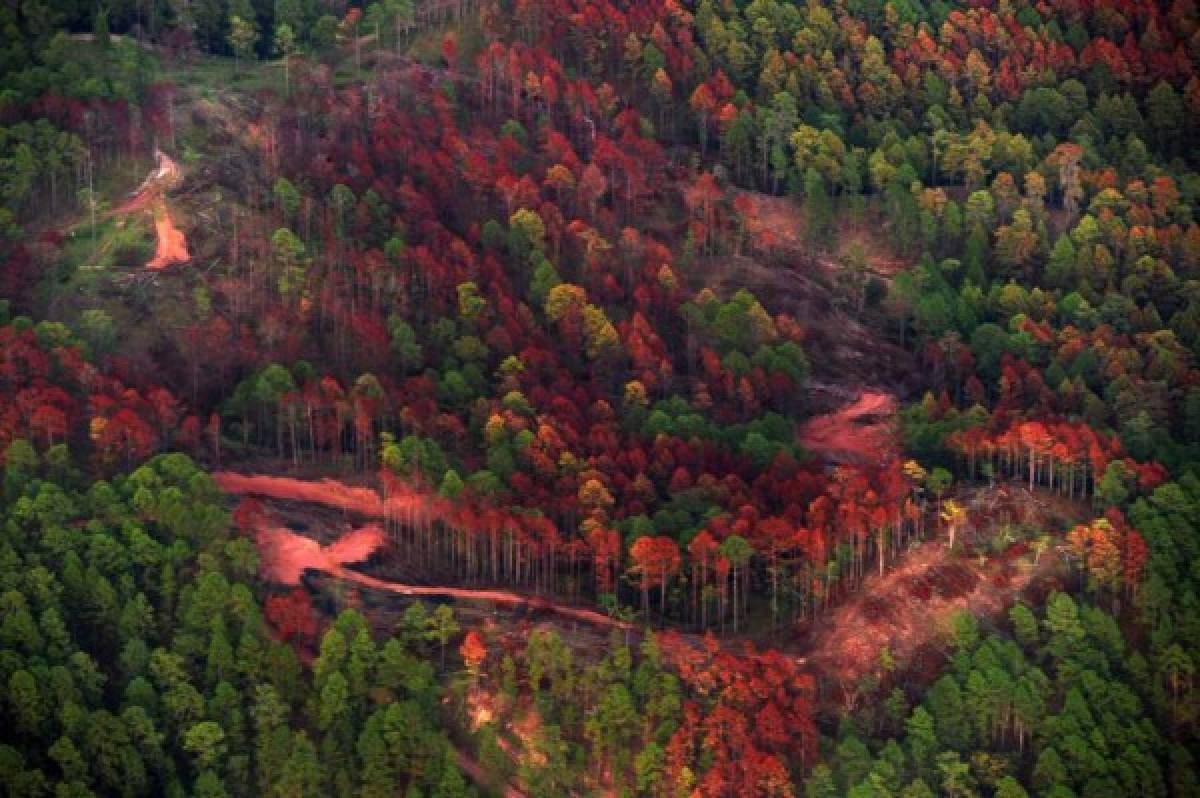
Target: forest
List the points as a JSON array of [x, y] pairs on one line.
[[552, 398]]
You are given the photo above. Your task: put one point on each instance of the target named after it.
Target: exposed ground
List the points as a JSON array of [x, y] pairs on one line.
[[172, 246], [777, 225], [862, 430], [150, 196], [909, 609], [789, 275], [905, 610], [321, 534], [285, 555]]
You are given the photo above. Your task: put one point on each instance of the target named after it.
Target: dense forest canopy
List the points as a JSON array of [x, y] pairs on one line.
[[571, 397]]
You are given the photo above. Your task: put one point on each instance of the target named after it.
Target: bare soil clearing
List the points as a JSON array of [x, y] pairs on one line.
[[788, 275], [171, 247], [908, 609], [861, 431], [777, 226], [910, 606], [286, 555], [327, 492], [775, 223]]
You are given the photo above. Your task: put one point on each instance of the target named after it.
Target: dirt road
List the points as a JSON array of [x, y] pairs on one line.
[[906, 610], [285, 555]]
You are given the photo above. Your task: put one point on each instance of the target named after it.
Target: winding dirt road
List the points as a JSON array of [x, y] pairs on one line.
[[286, 555], [905, 610]]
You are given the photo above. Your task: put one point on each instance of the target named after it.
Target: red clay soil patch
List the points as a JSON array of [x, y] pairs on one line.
[[172, 246], [907, 608], [285, 555], [327, 492], [775, 222], [860, 431]]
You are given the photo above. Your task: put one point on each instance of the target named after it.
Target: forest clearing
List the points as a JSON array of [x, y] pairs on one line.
[[905, 612]]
